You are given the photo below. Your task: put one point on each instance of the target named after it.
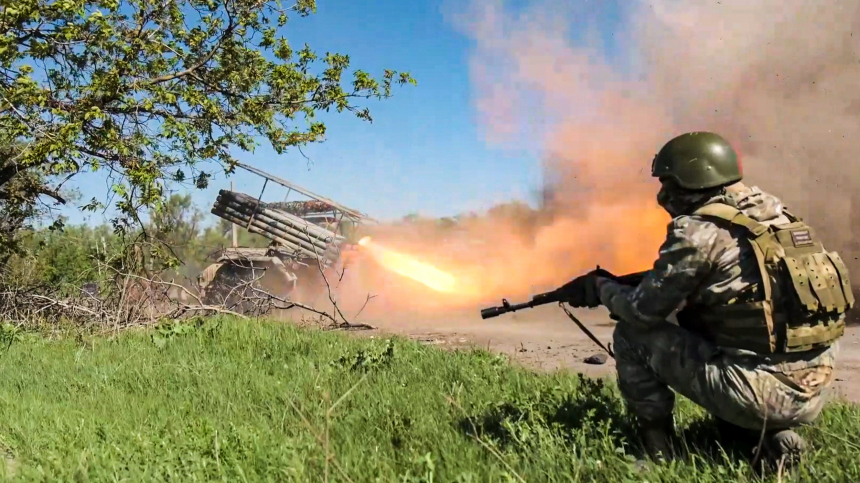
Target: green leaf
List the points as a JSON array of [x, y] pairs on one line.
[[147, 89]]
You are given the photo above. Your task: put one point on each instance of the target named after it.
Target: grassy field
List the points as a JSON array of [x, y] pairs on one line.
[[229, 400]]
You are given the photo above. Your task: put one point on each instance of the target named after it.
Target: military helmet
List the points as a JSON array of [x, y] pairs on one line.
[[697, 161]]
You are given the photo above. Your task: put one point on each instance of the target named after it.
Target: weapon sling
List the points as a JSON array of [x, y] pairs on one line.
[[607, 348]]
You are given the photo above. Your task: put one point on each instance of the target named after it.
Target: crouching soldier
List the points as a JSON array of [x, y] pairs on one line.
[[759, 300]]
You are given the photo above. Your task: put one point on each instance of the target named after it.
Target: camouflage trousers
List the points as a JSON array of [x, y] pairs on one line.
[[744, 389]]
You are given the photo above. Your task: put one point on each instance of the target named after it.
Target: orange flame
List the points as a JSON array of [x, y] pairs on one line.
[[407, 266]]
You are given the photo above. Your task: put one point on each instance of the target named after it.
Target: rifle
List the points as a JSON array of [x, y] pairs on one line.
[[558, 295], [552, 296]]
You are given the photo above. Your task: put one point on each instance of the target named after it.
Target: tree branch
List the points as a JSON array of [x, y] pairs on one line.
[[228, 32]]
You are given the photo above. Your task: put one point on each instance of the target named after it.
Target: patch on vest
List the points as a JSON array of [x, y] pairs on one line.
[[801, 238]]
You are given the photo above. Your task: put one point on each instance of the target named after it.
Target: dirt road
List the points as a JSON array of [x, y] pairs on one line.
[[544, 338]]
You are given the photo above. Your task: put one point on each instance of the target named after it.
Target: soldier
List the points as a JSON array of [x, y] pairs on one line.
[[760, 304]]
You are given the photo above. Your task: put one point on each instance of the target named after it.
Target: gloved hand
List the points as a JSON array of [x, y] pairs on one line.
[[582, 291]]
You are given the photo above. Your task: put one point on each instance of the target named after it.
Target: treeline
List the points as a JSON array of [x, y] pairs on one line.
[[181, 239], [176, 240]]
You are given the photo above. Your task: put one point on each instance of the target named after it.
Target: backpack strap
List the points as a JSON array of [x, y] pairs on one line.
[[733, 216], [791, 216]]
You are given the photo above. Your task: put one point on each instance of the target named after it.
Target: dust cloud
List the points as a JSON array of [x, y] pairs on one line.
[[778, 78]]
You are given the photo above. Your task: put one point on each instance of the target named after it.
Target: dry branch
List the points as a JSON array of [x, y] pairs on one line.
[[126, 293]]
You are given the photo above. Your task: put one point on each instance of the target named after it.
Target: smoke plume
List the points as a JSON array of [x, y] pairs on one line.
[[778, 78]]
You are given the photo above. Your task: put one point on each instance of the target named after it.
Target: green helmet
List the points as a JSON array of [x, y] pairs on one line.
[[697, 161]]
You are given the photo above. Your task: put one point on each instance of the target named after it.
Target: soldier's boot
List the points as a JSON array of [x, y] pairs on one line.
[[784, 445], [732, 436], [657, 437], [776, 444]]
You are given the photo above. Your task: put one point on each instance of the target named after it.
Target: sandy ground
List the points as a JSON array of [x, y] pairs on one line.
[[544, 338]]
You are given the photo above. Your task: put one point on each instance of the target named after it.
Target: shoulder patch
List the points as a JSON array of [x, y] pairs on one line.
[[801, 238]]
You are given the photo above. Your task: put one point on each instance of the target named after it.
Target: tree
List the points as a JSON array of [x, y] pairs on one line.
[[59, 259], [19, 207], [177, 223], [149, 90]]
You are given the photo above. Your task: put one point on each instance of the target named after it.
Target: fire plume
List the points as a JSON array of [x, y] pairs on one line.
[[407, 266]]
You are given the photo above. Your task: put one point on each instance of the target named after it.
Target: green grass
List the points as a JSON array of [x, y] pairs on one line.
[[232, 400]]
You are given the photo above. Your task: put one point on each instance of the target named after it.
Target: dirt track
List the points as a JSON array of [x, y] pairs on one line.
[[545, 338]]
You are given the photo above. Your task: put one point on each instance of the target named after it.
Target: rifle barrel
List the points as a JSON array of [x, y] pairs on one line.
[[504, 309], [632, 279], [539, 299]]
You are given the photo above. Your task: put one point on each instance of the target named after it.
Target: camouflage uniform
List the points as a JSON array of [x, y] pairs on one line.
[[705, 264]]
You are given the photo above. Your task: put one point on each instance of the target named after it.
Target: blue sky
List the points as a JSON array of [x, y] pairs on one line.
[[424, 152]]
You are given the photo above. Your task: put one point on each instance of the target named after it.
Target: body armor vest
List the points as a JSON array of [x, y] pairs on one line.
[[800, 302]]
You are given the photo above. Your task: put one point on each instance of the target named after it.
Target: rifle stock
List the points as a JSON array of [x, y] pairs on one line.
[[552, 296]]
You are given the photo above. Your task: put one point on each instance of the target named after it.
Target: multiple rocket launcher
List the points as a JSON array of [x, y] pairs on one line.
[[304, 239]]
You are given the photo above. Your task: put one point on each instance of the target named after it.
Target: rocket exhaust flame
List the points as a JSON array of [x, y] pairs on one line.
[[407, 266]]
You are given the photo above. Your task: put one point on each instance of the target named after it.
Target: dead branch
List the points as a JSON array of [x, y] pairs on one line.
[[364, 305], [344, 324], [123, 290]]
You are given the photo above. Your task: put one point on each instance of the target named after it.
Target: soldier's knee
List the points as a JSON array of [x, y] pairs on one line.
[[650, 401], [624, 340], [620, 334]]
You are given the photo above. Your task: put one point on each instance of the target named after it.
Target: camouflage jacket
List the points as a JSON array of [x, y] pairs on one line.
[[699, 263]]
